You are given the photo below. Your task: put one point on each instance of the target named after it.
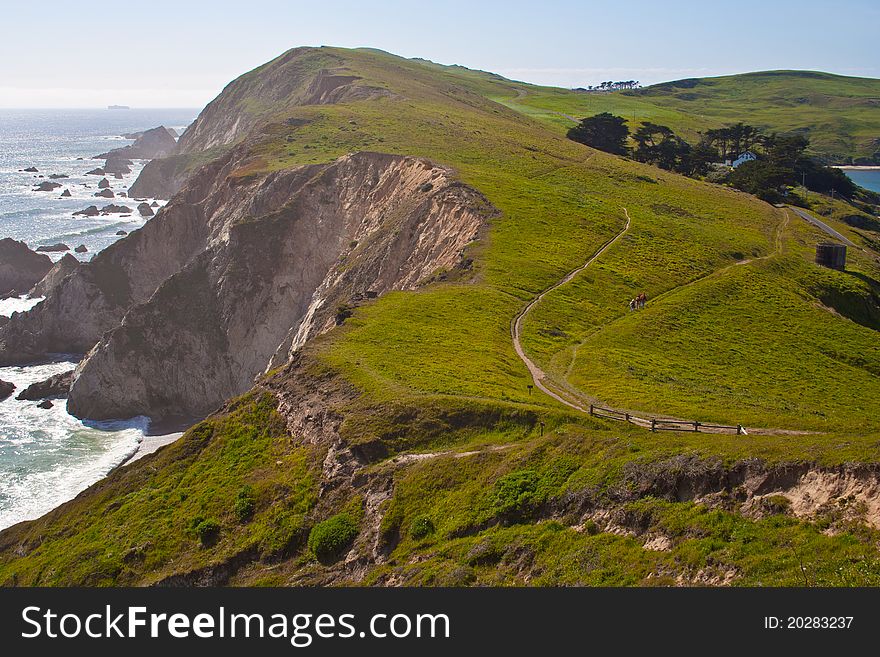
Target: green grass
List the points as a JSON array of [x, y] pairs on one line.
[[150, 520], [490, 522], [838, 113], [434, 370]]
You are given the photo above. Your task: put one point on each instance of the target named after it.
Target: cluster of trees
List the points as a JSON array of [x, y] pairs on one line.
[[612, 86], [782, 161]]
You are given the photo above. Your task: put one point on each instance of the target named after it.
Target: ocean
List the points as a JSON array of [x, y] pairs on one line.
[[46, 455], [867, 178]]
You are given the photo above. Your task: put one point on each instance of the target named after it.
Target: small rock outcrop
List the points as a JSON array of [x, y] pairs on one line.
[[105, 193], [6, 389], [47, 186], [58, 176], [145, 210], [45, 404], [54, 387], [117, 167], [81, 249], [122, 232], [55, 276], [96, 172], [65, 193], [115, 209], [91, 211], [103, 184], [53, 248], [20, 268], [31, 169]]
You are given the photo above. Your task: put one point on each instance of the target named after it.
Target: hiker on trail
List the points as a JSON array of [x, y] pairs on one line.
[[632, 304]]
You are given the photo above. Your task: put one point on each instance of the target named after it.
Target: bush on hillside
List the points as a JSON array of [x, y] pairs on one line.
[[421, 527], [207, 530], [515, 492], [245, 503], [330, 537]]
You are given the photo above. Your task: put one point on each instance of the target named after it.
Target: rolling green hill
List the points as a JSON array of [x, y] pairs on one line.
[[839, 114], [411, 434]]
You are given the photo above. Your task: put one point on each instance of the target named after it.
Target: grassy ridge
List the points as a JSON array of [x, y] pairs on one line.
[[839, 114]]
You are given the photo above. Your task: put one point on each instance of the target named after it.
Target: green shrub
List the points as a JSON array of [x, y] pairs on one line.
[[245, 503], [777, 503], [421, 527], [515, 492], [207, 530], [330, 537]]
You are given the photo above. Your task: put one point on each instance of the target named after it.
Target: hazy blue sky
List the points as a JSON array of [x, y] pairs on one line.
[[59, 53]]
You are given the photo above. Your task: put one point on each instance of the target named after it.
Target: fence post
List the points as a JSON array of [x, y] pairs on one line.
[[653, 424], [627, 416], [696, 427], [591, 409]]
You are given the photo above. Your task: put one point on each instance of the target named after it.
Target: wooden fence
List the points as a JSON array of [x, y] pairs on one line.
[[662, 424]]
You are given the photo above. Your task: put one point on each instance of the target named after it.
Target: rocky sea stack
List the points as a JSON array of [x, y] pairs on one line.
[[20, 268]]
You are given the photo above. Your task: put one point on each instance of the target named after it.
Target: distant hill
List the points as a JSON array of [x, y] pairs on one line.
[[840, 115]]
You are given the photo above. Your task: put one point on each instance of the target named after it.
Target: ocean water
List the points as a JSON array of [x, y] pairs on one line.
[[46, 455], [867, 178]]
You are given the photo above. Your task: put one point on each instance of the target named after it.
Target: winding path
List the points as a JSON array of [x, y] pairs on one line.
[[571, 399], [538, 375]]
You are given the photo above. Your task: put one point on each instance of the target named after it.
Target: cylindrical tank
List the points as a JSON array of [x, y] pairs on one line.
[[829, 254]]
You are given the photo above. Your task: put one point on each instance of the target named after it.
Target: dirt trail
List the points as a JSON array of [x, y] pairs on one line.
[[572, 398], [538, 375]]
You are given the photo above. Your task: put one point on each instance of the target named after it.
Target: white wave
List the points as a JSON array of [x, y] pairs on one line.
[[47, 456], [18, 304]]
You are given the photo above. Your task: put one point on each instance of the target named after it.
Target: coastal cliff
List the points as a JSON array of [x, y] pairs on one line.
[[313, 238]]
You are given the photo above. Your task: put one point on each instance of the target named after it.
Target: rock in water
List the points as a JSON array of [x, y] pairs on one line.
[[56, 176], [105, 193], [154, 204], [53, 248], [96, 172], [65, 193], [45, 404], [58, 273], [81, 249], [117, 166], [47, 186], [54, 387], [104, 184], [115, 209], [145, 210], [122, 232], [20, 268], [31, 169], [91, 211], [6, 389]]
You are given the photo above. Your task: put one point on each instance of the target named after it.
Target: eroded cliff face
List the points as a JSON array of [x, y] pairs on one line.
[[264, 270]]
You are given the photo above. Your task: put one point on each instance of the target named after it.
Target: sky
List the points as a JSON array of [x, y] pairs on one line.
[[57, 53]]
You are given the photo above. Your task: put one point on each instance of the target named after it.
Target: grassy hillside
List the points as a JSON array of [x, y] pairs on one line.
[[839, 114], [741, 327]]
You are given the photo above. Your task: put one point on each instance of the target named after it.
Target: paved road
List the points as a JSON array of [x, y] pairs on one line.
[[803, 214]]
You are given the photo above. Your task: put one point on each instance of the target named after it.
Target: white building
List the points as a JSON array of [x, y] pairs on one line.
[[748, 156]]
